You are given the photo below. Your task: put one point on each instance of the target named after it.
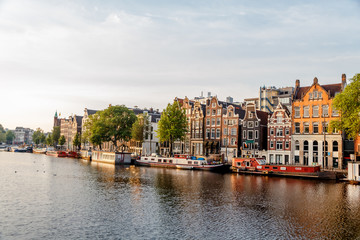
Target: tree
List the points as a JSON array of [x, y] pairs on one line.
[[42, 138], [10, 136], [140, 128], [56, 135], [49, 140], [94, 130], [116, 123], [62, 140], [348, 105], [38, 136], [172, 125], [2, 134], [76, 141]]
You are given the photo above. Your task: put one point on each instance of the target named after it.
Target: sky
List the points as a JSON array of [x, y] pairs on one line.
[[65, 56]]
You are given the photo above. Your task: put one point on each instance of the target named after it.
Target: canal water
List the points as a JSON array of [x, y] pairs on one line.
[[44, 197]]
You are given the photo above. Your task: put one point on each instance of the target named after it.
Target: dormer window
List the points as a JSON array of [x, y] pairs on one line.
[[320, 94], [213, 104], [310, 96], [315, 94]]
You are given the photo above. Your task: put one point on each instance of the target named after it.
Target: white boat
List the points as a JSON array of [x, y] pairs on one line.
[[181, 161], [85, 154], [39, 150], [115, 158]]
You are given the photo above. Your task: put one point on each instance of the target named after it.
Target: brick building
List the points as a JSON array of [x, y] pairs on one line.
[[279, 136]]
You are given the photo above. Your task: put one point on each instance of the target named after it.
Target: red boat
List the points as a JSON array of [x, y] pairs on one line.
[[72, 154], [259, 165], [56, 153]]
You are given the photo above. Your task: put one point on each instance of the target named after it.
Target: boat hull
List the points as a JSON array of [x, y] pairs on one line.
[[210, 167]]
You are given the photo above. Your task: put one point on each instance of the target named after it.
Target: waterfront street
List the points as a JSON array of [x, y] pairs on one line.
[[44, 197]]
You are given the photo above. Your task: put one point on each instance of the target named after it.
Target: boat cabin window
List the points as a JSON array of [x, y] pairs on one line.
[[170, 161], [275, 167], [189, 162], [196, 163], [238, 163], [152, 159], [248, 164], [164, 160], [267, 167], [159, 160]]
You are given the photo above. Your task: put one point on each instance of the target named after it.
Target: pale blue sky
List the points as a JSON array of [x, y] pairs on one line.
[[68, 55]]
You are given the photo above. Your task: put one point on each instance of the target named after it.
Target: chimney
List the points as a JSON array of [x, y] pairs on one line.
[[343, 81], [316, 80], [297, 83]]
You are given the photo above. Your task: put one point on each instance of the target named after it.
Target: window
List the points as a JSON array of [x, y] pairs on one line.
[[315, 94], [271, 131], [287, 145], [297, 112], [287, 131], [197, 124], [212, 133], [297, 127], [219, 111], [325, 110], [213, 122], [271, 144], [335, 113], [208, 133], [233, 131], [225, 142], [315, 111], [297, 145], [320, 94], [218, 121], [310, 96], [279, 132], [213, 104], [225, 131], [218, 133], [225, 122], [256, 123], [306, 127], [250, 135], [244, 134], [325, 127], [279, 145], [208, 122], [315, 127], [230, 114], [335, 146], [232, 141], [256, 134], [250, 115], [279, 119], [250, 124], [306, 111], [208, 112]]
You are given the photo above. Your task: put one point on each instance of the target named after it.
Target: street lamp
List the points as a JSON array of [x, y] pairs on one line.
[[324, 145]]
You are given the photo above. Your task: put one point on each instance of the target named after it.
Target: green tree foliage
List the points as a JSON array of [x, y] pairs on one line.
[[112, 124], [348, 105], [172, 125], [140, 128], [49, 140], [117, 122], [62, 140], [10, 136], [76, 141], [55, 135], [2, 134], [38, 136]]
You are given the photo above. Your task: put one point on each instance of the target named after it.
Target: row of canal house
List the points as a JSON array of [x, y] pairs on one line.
[[296, 133]]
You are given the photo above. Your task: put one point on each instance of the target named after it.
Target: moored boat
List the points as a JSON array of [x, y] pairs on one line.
[[55, 153], [259, 166], [181, 161], [85, 154], [115, 158], [72, 154], [39, 150]]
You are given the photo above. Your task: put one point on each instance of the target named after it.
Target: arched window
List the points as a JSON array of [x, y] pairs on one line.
[[315, 151], [335, 146], [306, 146]]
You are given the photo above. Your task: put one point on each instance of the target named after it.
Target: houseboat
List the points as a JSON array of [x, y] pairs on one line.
[[39, 150], [72, 154], [259, 166], [55, 153], [115, 158], [353, 173], [85, 154], [180, 161]]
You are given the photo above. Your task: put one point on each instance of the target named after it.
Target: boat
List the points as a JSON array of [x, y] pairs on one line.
[[55, 153], [259, 166], [181, 161], [115, 158], [85, 154], [72, 154], [39, 150], [353, 176]]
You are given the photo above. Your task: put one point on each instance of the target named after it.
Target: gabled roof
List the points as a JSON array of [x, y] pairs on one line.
[[331, 89], [280, 106], [91, 112]]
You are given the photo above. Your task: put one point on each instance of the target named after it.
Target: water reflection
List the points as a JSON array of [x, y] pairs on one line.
[[71, 198]]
